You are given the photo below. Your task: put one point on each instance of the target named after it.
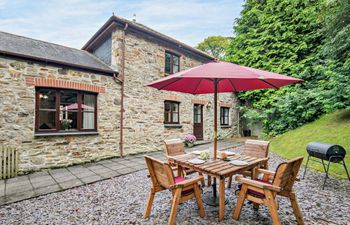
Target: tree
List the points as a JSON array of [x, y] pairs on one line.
[[336, 51], [215, 46], [337, 29], [282, 36]]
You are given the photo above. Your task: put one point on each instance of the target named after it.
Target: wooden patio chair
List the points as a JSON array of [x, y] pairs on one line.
[[254, 148], [176, 147], [265, 191], [182, 189]]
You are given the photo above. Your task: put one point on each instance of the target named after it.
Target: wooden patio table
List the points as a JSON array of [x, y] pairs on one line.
[[218, 168]]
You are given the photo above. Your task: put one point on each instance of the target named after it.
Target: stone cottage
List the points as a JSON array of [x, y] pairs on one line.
[[61, 106]]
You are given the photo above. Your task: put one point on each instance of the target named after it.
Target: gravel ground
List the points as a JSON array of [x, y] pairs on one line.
[[121, 200]]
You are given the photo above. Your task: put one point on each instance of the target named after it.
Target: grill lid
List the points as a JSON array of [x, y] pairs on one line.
[[326, 151]]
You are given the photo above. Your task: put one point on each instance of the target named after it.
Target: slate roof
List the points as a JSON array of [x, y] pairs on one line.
[[19, 46], [107, 28]]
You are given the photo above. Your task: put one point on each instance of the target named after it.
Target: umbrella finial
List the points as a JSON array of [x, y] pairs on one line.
[[216, 60]]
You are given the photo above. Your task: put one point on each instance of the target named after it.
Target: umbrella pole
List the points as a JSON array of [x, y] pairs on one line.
[[215, 130], [209, 199], [215, 116]]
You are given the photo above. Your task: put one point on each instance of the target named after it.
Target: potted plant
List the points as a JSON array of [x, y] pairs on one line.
[[189, 140], [66, 124]]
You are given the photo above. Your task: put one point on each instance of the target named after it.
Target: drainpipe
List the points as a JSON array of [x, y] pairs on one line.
[[122, 59]]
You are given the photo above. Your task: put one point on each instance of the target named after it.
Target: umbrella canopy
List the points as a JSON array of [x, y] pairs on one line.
[[230, 77]]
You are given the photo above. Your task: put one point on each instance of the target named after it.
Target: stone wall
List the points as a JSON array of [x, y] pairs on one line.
[[144, 106], [17, 111]]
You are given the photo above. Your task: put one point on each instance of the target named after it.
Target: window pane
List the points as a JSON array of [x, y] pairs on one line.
[[68, 110], [197, 114], [69, 98], [47, 120], [88, 103], [175, 64], [88, 108], [175, 107], [226, 120], [224, 116], [88, 120], [167, 62], [167, 106], [47, 99], [221, 115], [175, 60], [167, 117], [74, 117], [175, 117], [197, 118]]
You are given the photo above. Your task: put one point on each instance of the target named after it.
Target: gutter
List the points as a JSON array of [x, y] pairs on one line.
[[56, 62]]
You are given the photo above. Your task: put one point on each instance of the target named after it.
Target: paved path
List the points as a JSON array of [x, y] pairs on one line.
[[41, 183]]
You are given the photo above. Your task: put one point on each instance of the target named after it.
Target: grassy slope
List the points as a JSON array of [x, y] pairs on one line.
[[332, 128]]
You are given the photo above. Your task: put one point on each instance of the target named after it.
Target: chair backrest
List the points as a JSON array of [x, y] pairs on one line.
[[256, 148], [286, 174], [174, 147], [160, 172]]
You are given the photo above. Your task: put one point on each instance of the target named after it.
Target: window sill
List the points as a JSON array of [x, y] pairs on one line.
[[225, 126], [65, 133], [172, 125]]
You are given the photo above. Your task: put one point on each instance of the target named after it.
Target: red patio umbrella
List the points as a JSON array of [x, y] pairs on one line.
[[218, 77]]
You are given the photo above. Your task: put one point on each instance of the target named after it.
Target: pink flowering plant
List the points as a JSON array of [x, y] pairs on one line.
[[190, 139]]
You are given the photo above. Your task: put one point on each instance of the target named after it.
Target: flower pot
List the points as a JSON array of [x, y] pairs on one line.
[[190, 145]]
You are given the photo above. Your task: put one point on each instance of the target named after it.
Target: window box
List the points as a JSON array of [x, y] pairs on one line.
[[225, 126]]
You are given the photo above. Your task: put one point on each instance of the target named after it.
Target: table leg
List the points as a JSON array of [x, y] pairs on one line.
[[214, 187], [255, 173], [180, 171], [221, 199]]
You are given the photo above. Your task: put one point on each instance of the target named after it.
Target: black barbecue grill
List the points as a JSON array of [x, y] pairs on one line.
[[326, 152]]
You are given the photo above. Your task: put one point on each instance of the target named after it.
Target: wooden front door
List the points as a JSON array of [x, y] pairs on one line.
[[198, 121]]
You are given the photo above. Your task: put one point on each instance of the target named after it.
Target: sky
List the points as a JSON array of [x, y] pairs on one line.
[[73, 22]]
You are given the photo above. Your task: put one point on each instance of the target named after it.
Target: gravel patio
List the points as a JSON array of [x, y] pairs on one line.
[[121, 200]]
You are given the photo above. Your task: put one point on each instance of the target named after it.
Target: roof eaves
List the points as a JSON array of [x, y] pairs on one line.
[[45, 60]]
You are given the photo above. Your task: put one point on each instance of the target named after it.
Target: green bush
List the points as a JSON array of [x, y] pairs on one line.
[[304, 39]]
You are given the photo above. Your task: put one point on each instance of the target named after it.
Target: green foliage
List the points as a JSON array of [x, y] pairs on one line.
[[307, 39], [337, 28], [276, 35], [330, 128], [215, 46]]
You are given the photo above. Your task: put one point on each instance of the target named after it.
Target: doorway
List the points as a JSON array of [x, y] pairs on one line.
[[198, 121]]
